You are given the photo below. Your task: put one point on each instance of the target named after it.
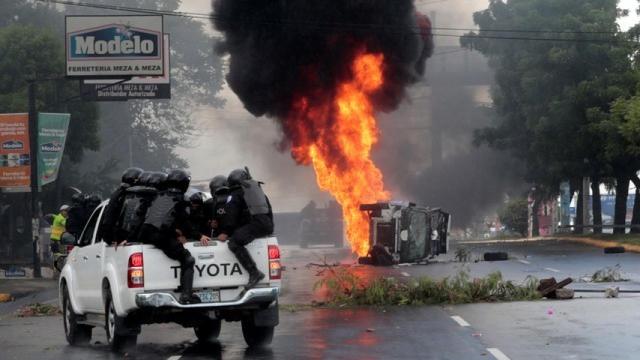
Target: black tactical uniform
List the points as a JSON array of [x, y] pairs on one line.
[[137, 200], [91, 203], [214, 207], [167, 215], [77, 216], [248, 215], [116, 201], [199, 215]]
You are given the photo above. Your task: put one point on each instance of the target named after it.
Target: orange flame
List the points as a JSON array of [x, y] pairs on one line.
[[340, 154]]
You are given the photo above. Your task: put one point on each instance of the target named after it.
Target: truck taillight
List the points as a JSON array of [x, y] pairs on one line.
[[275, 268], [136, 260], [135, 272]]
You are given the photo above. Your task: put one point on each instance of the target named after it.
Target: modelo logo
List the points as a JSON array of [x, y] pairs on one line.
[[12, 145], [51, 147], [114, 41]]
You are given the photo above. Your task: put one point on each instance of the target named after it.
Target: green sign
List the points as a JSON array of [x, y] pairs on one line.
[[52, 134]]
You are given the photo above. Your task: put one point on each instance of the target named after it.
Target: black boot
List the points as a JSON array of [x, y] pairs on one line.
[[244, 258], [186, 283]]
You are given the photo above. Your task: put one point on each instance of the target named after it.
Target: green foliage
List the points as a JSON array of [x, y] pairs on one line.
[[513, 215], [545, 90], [344, 287], [37, 53]]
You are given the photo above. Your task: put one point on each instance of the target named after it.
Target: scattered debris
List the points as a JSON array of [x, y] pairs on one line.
[[371, 330], [5, 298], [38, 309], [496, 256], [565, 294], [550, 311], [612, 292], [476, 334], [462, 254], [608, 274], [548, 287], [614, 250], [343, 286]]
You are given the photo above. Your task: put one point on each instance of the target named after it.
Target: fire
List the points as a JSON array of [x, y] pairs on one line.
[[340, 152]]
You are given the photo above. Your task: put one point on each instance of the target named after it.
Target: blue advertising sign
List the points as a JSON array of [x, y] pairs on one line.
[[114, 46]]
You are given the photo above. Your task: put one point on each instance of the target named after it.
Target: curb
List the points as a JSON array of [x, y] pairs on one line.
[[603, 243]]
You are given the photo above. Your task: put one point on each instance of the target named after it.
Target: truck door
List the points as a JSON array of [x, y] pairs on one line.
[[89, 264]]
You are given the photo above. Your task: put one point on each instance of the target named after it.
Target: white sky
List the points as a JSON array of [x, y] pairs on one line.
[[231, 137]]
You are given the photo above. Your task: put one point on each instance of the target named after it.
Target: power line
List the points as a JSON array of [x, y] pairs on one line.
[[362, 26]]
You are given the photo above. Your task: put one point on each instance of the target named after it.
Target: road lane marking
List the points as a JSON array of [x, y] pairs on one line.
[[499, 355], [524, 262], [174, 357], [552, 270], [405, 274], [460, 321]]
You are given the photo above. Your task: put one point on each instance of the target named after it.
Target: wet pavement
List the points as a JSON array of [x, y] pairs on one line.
[[594, 328]]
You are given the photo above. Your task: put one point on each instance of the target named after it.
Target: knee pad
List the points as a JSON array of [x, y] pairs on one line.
[[233, 246], [189, 261]]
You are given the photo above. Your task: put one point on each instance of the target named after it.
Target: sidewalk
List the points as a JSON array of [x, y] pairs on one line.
[[601, 243], [18, 288]]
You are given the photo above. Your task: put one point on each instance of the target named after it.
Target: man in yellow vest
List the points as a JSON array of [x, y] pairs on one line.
[[58, 228]]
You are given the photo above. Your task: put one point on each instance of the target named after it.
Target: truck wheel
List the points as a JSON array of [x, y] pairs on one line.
[[256, 336], [76, 334], [208, 330], [114, 326]]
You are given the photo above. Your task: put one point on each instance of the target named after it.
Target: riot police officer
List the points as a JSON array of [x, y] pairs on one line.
[[91, 203], [248, 215], [167, 226], [137, 200], [76, 215], [199, 216], [113, 209], [214, 207]]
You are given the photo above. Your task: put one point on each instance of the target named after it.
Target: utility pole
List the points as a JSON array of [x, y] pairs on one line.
[[586, 188], [35, 208]]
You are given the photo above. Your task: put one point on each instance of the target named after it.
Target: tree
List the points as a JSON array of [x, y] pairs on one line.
[[513, 215], [138, 132], [29, 53], [546, 89]]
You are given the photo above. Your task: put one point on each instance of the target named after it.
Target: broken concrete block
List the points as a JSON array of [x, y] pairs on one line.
[[565, 294]]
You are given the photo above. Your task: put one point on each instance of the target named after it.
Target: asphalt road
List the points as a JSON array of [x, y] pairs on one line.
[[594, 328]]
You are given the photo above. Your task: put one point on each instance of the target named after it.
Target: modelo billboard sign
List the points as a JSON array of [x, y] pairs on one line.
[[114, 46]]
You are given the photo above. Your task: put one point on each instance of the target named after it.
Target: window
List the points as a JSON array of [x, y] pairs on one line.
[[87, 234]]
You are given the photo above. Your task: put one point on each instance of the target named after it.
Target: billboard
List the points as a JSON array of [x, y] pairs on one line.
[[52, 135], [15, 156], [139, 87], [114, 46]]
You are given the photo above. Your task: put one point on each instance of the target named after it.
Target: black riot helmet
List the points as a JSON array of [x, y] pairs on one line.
[[217, 183], [93, 201], [131, 175], [144, 178], [178, 179], [196, 198], [158, 180], [77, 199], [237, 176]]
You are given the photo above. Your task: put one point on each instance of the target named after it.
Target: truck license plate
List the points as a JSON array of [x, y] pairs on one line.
[[208, 296]]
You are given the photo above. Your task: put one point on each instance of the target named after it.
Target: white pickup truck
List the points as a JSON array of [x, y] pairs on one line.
[[124, 288]]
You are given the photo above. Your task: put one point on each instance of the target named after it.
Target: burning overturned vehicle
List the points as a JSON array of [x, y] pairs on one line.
[[401, 232]]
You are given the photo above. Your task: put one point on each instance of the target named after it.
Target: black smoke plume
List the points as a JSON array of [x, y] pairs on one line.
[[281, 50]]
